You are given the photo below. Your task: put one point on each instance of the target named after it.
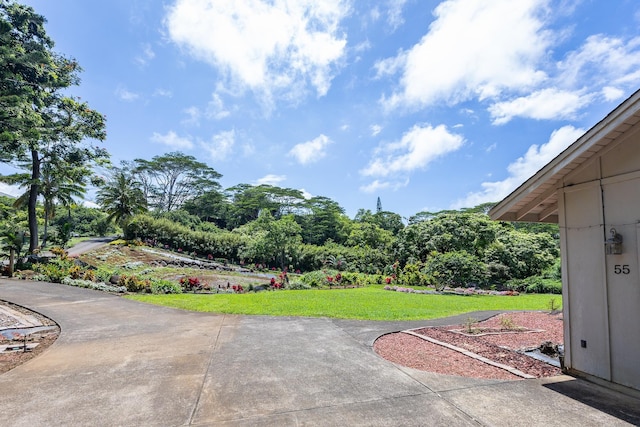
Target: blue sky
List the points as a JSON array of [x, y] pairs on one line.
[[428, 105]]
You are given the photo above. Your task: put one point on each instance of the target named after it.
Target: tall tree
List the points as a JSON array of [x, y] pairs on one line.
[[271, 238], [59, 183], [37, 119], [172, 179], [211, 206], [248, 201], [324, 221], [122, 197]]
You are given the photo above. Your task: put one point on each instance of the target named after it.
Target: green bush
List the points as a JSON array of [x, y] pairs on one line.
[[135, 284], [297, 285], [353, 259], [318, 278], [412, 275], [104, 273], [160, 286], [221, 244], [55, 270], [93, 285], [536, 285], [456, 269]]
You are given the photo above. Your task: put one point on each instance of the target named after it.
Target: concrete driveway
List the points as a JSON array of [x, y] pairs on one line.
[[123, 363]]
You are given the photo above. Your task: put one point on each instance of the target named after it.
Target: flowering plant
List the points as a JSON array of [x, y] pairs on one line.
[[190, 283]]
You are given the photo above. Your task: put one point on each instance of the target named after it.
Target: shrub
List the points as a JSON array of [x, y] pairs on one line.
[[75, 272], [297, 285], [536, 284], [412, 275], [456, 269], [134, 284], [132, 265], [89, 275], [59, 252], [316, 279], [93, 285], [160, 286], [220, 244], [104, 273], [55, 270], [190, 284]]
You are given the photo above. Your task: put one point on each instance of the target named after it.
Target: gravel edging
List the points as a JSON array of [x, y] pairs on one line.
[[507, 368], [504, 349]]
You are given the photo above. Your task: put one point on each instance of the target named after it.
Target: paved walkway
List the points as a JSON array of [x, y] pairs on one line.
[[123, 363]]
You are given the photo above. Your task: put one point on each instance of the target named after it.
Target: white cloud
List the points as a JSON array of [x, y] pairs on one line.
[[126, 95], [523, 168], [172, 140], [375, 129], [544, 104], [215, 108], [612, 93], [375, 186], [221, 145], [146, 56], [271, 179], [394, 13], [311, 151], [418, 147], [603, 61], [276, 48], [248, 149], [474, 48], [193, 116], [165, 93], [374, 14]]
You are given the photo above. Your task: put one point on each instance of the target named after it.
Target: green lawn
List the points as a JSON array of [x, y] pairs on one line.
[[369, 303]]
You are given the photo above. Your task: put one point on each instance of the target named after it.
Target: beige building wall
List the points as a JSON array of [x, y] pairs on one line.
[[602, 331]]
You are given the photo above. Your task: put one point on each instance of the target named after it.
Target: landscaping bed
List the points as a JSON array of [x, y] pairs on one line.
[[504, 345], [15, 319]]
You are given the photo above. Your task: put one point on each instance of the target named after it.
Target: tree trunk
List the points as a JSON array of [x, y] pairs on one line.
[[33, 200], [12, 256], [45, 234]]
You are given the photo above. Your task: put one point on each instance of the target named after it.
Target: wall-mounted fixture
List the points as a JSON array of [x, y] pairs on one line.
[[613, 245]]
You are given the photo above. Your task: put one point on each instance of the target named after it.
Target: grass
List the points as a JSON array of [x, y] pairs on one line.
[[368, 303]]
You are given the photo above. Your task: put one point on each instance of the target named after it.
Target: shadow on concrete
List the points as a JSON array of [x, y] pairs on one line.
[[614, 403]]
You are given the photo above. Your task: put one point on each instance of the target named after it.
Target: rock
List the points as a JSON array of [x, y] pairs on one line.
[[114, 279], [548, 348]]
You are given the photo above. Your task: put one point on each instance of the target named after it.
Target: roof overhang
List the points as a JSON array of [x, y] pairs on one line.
[[537, 199]]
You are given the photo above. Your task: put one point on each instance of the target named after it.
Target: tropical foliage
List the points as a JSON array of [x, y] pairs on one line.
[[176, 201]]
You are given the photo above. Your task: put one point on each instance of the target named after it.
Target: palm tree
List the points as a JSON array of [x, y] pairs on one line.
[[122, 198], [59, 182], [12, 242]]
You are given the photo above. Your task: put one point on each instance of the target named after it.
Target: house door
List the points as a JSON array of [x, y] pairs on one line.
[[621, 197], [586, 328]]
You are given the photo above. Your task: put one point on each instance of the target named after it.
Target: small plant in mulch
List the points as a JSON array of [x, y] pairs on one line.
[[470, 324], [507, 323]]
